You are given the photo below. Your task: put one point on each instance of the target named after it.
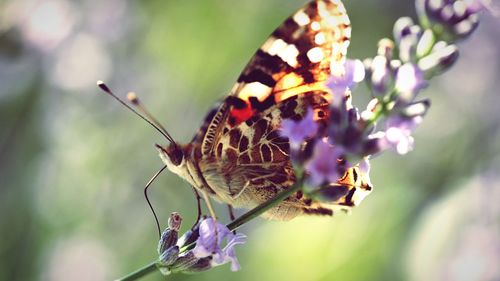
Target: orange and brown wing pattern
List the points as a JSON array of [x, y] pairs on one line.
[[250, 162], [296, 58]]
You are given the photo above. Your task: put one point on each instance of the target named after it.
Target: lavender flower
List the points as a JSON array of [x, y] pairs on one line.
[[398, 133], [170, 234], [209, 243], [168, 250], [324, 166], [381, 75], [442, 57], [207, 253], [450, 19], [341, 81], [395, 80], [409, 81], [299, 131], [169, 256], [407, 36], [379, 71]]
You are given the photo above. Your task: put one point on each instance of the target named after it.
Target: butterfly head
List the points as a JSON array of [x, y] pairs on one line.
[[172, 155]]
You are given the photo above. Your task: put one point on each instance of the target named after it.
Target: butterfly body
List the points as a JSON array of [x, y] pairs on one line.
[[238, 156]]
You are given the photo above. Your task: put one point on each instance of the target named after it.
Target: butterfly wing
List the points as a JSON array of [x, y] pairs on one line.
[[242, 156], [297, 58], [251, 161]]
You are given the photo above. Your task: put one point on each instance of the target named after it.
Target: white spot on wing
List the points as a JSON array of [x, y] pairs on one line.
[[315, 55], [315, 26], [319, 38], [267, 45], [277, 46], [289, 55], [301, 18], [255, 89]]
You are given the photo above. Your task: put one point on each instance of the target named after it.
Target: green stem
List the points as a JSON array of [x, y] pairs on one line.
[[381, 110], [141, 272], [248, 216]]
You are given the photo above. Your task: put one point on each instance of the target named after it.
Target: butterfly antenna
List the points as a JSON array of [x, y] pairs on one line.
[[160, 128], [132, 97], [149, 202]]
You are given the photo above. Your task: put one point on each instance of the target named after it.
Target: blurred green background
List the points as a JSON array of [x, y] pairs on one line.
[[73, 162]]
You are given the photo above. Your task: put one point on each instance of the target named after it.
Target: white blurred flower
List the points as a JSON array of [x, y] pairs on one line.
[[44, 24], [78, 259], [82, 62]]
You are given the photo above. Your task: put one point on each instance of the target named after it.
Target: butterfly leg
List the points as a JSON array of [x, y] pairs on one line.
[[209, 204], [231, 212], [198, 204]]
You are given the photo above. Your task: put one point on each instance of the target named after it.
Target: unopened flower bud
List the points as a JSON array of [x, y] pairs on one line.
[[409, 81], [450, 20], [190, 236], [184, 262], [402, 28], [408, 44], [202, 264], [174, 221], [169, 256], [425, 44], [381, 76], [439, 60], [170, 234], [385, 48], [416, 109]]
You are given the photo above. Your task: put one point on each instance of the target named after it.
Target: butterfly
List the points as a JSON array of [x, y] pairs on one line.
[[238, 156]]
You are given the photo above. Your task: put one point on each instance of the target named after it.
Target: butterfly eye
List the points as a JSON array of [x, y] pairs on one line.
[[175, 154]]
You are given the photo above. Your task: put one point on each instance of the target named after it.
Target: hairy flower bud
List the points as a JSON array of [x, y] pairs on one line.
[[439, 60], [425, 43], [184, 262], [202, 264], [190, 236], [450, 20], [174, 221], [407, 36], [170, 234], [381, 76], [169, 256]]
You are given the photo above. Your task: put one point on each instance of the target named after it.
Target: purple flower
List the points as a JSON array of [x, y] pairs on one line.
[[209, 243], [381, 75], [441, 58], [364, 166], [398, 133], [452, 19], [324, 166], [297, 132], [409, 81], [407, 36], [229, 249], [476, 6], [345, 78]]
